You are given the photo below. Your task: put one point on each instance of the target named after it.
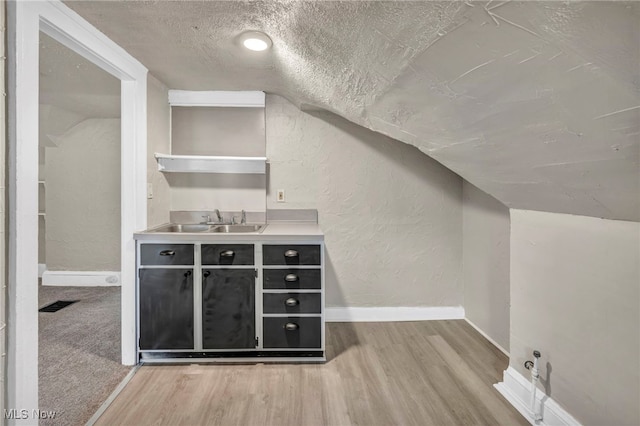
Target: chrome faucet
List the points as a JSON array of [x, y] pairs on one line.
[[217, 212], [243, 219]]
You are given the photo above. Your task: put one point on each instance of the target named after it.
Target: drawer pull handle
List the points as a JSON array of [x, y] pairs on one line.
[[167, 253], [206, 273], [227, 253], [187, 274], [291, 302], [291, 278], [290, 253], [291, 326]]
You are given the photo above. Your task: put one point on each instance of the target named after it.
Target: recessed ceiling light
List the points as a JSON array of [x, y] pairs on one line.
[[256, 41]]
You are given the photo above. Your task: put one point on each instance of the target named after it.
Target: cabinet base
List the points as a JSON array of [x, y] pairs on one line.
[[245, 357]]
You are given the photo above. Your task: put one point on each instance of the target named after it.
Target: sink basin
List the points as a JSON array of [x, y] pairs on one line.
[[228, 229], [222, 229], [176, 227]]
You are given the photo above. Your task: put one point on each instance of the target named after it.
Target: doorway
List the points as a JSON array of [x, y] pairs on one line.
[[79, 234]]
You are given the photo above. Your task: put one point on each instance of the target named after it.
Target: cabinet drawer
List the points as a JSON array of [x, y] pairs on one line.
[[291, 303], [291, 279], [291, 254], [227, 254], [166, 254], [292, 332]]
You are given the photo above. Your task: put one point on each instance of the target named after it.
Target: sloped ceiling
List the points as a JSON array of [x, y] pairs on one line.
[[536, 103]]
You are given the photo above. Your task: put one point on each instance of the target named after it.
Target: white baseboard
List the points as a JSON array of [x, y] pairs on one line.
[[41, 268], [517, 390], [81, 278], [387, 314], [486, 336]]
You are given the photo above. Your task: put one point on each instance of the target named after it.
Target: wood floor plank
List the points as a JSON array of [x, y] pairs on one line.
[[409, 373]]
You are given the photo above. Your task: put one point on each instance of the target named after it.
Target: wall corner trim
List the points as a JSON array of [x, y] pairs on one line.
[[486, 336], [81, 278], [388, 314], [517, 390]]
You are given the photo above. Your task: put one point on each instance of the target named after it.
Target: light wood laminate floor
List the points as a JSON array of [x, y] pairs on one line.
[[405, 373]]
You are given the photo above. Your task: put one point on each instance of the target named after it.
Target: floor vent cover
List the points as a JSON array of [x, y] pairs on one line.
[[56, 306]]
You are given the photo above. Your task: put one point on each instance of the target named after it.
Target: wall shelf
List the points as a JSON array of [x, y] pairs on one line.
[[210, 164]]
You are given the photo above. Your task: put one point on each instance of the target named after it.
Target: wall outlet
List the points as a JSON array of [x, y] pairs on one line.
[[280, 196], [149, 190]]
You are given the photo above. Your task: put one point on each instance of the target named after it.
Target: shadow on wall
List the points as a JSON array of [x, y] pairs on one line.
[[339, 336]]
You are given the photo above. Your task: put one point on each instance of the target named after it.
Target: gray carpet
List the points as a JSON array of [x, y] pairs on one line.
[[79, 352]]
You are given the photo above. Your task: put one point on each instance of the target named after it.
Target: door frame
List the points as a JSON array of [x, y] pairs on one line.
[[25, 20]]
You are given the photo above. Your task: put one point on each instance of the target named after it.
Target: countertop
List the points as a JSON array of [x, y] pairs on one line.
[[289, 231]]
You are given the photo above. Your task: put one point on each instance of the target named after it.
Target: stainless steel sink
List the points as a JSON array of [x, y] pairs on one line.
[[228, 229], [223, 229], [176, 227]]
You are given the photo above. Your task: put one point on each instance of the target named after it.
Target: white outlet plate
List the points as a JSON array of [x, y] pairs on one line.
[[280, 198], [149, 190]]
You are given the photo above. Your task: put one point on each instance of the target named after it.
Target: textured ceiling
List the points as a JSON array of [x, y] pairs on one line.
[[536, 103]]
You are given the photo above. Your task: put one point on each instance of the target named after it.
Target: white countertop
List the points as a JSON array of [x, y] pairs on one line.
[[287, 231]]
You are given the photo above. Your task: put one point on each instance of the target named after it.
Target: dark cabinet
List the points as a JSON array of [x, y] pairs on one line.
[[292, 279], [228, 309], [166, 254], [291, 254], [166, 308], [227, 254], [292, 332], [287, 303]]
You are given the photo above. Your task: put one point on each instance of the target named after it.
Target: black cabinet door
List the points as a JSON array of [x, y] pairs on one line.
[[228, 309], [166, 309]]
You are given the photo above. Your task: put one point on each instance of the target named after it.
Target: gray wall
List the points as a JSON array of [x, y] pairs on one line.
[[158, 140], [83, 198], [575, 297], [392, 217], [217, 131], [485, 263]]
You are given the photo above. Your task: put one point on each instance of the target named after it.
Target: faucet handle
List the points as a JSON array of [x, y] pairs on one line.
[[207, 217]]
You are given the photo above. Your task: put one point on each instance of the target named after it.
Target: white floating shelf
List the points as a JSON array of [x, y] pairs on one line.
[[216, 98], [210, 164]]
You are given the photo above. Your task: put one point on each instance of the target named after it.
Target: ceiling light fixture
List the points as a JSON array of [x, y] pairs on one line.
[[256, 41]]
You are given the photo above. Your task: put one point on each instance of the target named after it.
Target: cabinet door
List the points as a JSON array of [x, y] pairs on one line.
[[228, 309], [166, 309]]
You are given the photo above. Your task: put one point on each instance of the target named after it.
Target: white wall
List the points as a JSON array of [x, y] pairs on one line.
[[158, 140], [392, 217], [3, 235], [83, 198], [485, 263], [209, 191], [575, 297]]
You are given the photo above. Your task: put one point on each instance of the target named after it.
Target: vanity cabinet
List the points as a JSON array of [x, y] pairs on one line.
[[212, 300]]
